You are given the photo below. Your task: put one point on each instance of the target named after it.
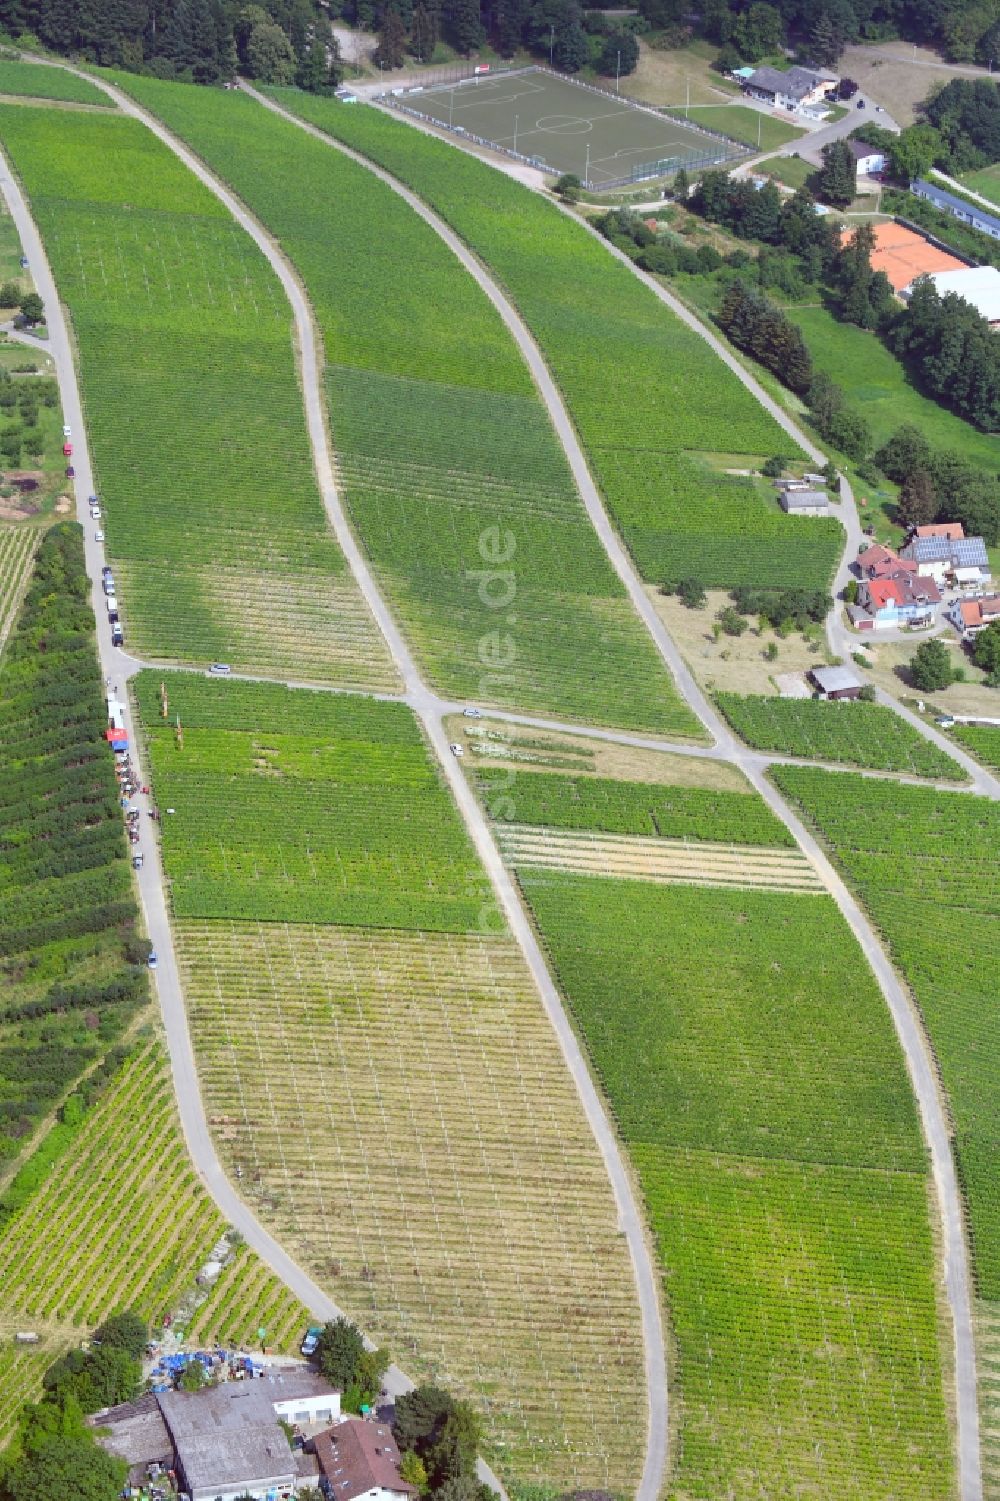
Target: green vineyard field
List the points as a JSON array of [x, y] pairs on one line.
[[858, 734], [982, 741], [758, 1085], [926, 864], [296, 806], [66, 905], [17, 548], [474, 1230], [35, 81], [641, 387], [214, 521], [451, 470], [551, 800]]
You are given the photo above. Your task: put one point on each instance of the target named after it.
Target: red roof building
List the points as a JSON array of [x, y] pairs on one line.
[[360, 1459], [952, 530], [880, 562]]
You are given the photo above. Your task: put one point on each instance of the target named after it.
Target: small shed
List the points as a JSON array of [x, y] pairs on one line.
[[836, 682], [804, 502]]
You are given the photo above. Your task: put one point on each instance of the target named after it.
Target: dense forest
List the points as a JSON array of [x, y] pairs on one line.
[[286, 41]]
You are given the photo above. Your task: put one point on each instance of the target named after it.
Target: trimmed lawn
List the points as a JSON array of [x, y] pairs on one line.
[[792, 171], [986, 182], [744, 124], [876, 383]]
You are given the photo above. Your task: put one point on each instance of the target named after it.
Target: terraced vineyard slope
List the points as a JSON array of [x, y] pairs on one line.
[[36, 81], [982, 741], [651, 402], [67, 915], [757, 1082], [17, 547], [856, 733], [214, 521], [925, 865], [329, 912], [451, 470], [136, 1228]]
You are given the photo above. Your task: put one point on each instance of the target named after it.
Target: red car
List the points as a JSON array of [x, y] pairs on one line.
[[67, 450]]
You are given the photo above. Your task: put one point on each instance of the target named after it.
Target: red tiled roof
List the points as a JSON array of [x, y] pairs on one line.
[[903, 590], [357, 1456], [880, 562], [977, 612], [953, 530]]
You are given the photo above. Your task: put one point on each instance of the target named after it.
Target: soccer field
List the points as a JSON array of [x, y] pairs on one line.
[[565, 126]]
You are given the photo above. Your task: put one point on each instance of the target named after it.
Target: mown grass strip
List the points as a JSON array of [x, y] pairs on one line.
[[610, 806], [641, 387], [294, 806], [855, 733], [194, 411], [452, 473], [925, 864], [752, 1067], [36, 81]]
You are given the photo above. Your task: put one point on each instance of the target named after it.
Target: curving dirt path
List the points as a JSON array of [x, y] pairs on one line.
[[919, 1059], [427, 705]]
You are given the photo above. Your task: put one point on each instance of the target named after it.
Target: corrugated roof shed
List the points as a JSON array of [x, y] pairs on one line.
[[228, 1436], [835, 679]]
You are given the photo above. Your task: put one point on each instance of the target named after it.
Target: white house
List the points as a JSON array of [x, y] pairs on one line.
[[797, 89], [867, 159]]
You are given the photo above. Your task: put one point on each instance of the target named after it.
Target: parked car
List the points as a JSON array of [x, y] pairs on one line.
[[456, 750], [137, 861], [861, 104], [95, 513], [152, 961], [473, 713], [67, 430], [117, 636], [311, 1340], [220, 669], [70, 472], [98, 535], [946, 721]]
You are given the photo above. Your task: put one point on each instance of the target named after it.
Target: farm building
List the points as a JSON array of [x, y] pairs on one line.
[[953, 530], [361, 1459], [959, 208], [904, 599], [979, 286], [797, 89], [880, 562], [225, 1441], [970, 616], [963, 559], [804, 502], [867, 160], [836, 682]]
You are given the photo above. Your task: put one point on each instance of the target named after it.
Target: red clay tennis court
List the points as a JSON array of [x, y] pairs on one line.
[[904, 255]]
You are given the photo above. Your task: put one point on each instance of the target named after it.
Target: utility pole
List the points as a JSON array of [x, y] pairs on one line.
[[515, 135], [552, 40], [687, 101], [451, 107], [586, 170], [618, 72], [760, 121]]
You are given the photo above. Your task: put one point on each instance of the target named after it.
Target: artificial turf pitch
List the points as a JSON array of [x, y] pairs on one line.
[[565, 126]]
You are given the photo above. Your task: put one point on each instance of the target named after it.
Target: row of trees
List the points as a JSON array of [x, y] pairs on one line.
[[276, 41], [965, 30], [559, 31]]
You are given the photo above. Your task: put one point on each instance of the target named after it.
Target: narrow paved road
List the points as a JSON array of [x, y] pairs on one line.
[[915, 1047], [429, 708]]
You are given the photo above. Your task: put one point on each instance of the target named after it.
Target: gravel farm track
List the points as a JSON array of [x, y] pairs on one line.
[[431, 710]]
